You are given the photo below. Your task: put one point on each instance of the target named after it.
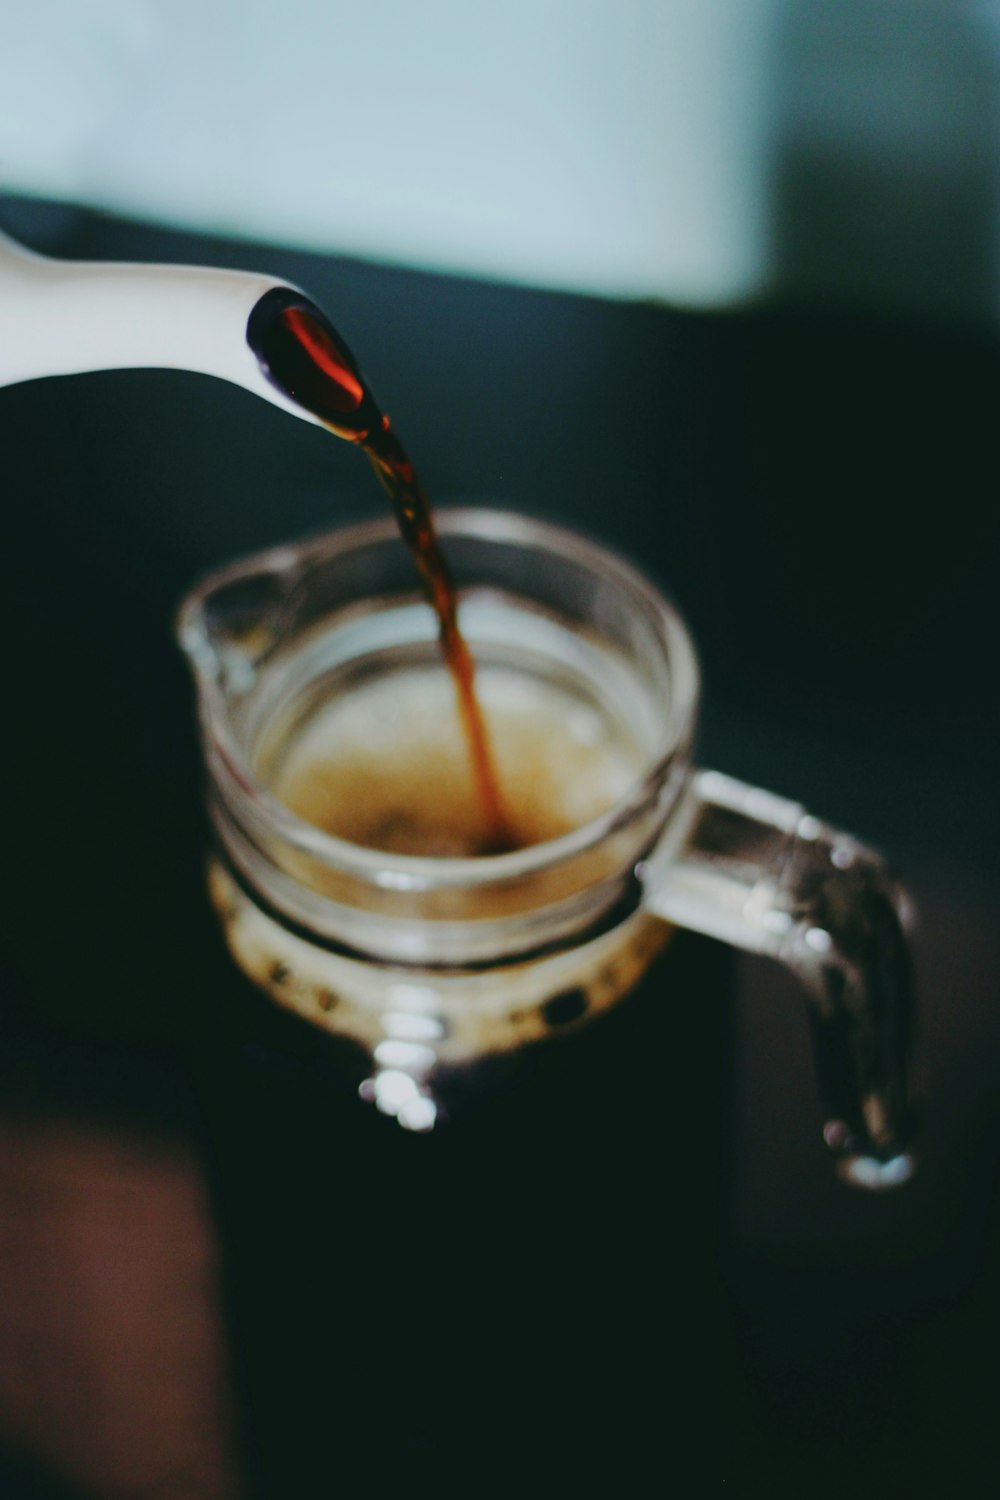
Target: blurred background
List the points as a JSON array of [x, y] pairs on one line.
[[715, 282], [702, 156]]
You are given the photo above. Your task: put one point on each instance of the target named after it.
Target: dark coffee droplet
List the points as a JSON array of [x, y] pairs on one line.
[[564, 1008]]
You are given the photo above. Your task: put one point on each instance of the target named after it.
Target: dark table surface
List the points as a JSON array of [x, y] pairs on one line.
[[815, 488]]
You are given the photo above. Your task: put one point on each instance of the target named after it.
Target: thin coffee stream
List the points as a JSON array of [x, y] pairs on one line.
[[301, 353]]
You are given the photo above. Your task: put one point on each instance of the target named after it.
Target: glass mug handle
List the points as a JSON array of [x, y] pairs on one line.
[[758, 872]]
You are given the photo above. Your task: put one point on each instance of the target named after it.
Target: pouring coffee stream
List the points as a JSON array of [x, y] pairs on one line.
[[303, 355], [732, 862], [65, 318]]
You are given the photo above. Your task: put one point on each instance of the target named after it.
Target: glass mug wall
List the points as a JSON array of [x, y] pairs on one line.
[[345, 870]]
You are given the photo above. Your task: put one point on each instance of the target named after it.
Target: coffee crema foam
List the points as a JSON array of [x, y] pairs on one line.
[[385, 765]]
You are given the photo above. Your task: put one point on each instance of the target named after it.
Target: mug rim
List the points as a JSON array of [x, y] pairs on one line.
[[421, 873]]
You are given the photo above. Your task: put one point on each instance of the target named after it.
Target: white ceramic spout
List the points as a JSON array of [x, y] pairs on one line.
[[66, 317]]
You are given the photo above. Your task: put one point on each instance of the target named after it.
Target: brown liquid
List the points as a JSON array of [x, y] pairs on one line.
[[383, 766], [303, 356]]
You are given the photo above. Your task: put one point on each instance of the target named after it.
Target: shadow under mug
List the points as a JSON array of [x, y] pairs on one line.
[[433, 963]]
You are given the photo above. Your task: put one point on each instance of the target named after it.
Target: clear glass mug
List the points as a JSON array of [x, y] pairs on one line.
[[432, 962]]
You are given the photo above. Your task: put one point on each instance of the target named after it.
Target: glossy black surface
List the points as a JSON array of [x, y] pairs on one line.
[[503, 1296]]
